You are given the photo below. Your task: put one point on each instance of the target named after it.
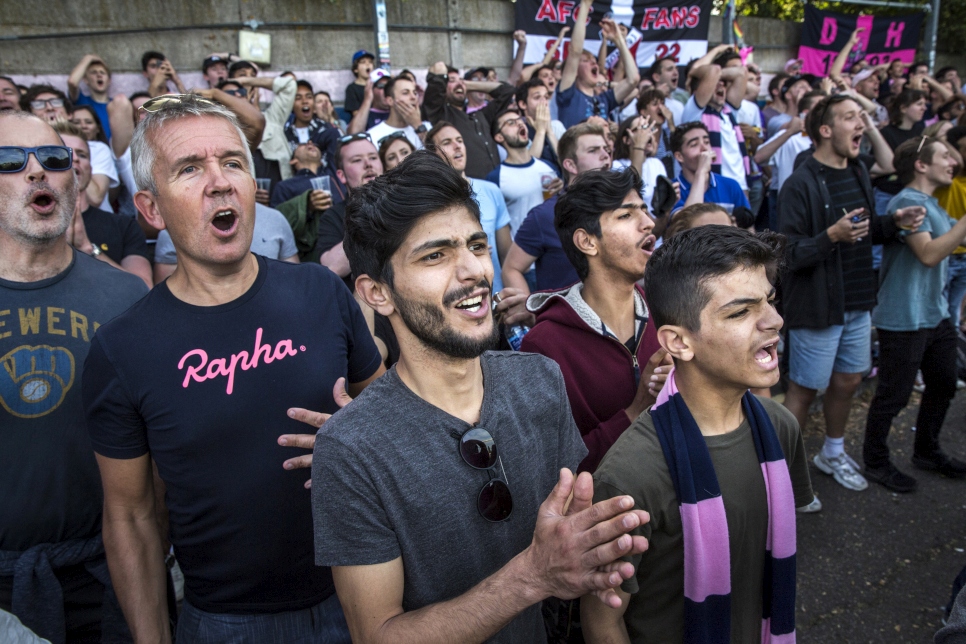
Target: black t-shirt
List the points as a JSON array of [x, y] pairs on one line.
[[116, 235], [895, 137], [354, 95], [205, 391], [50, 489], [858, 278]]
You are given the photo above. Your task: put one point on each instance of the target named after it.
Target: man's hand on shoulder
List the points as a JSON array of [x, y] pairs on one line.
[[315, 419]]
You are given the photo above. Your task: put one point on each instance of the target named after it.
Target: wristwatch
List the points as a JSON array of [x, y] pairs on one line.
[[422, 128], [95, 251]]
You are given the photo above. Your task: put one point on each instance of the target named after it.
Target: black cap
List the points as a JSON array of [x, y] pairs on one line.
[[791, 80], [211, 60], [241, 64], [484, 70]]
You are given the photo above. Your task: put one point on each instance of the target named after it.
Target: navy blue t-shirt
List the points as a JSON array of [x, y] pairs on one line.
[[538, 237], [721, 190], [204, 391], [573, 106]]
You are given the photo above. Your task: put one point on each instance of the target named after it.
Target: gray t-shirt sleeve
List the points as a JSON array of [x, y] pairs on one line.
[[272, 227], [351, 525], [571, 448], [164, 252]]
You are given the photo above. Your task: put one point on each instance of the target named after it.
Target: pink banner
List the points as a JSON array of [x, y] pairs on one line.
[[819, 61]]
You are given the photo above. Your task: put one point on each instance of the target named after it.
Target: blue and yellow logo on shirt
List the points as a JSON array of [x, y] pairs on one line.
[[35, 380]]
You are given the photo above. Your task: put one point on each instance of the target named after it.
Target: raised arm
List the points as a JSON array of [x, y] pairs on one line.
[[120, 114], [530, 70], [707, 77], [768, 149], [133, 546], [250, 117], [565, 559], [516, 69], [77, 75], [880, 148], [569, 74], [628, 84], [835, 71], [739, 84]]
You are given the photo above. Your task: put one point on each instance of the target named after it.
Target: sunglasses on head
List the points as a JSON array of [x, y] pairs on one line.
[[478, 450], [160, 102], [399, 134], [55, 158], [358, 136]]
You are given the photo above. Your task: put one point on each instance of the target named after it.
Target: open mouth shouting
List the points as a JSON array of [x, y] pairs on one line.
[[43, 202], [648, 244], [225, 222], [767, 355], [856, 141]]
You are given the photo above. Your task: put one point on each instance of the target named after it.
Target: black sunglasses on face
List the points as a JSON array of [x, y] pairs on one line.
[[54, 158], [494, 502]]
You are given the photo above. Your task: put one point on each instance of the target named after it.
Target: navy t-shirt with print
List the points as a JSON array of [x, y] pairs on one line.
[[204, 391], [573, 106]]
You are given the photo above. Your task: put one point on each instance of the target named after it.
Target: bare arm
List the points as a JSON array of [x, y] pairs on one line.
[[503, 243], [569, 551], [880, 148], [768, 149], [931, 251], [941, 89], [140, 266], [601, 623], [77, 75], [541, 128], [120, 114], [515, 264], [628, 84], [835, 72], [569, 74], [361, 118], [294, 259], [739, 84], [700, 184], [336, 261], [530, 70], [251, 118], [707, 76], [133, 547], [97, 188], [516, 69], [163, 271]]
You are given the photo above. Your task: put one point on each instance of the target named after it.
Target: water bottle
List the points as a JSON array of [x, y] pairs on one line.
[[514, 335]]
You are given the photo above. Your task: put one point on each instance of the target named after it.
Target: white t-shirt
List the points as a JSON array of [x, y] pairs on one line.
[[382, 130], [125, 171], [650, 171], [783, 161], [521, 187], [102, 162], [749, 114]]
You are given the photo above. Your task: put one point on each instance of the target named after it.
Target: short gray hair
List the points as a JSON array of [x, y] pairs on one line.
[[143, 152]]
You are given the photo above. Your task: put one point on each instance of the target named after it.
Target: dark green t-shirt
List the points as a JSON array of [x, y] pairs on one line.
[[635, 465]]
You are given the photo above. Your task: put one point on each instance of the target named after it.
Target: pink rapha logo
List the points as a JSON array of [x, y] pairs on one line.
[[206, 370]]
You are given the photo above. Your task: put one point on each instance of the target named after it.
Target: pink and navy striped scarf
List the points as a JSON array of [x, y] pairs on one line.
[[707, 554]]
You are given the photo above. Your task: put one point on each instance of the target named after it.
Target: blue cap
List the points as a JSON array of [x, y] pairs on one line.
[[362, 53]]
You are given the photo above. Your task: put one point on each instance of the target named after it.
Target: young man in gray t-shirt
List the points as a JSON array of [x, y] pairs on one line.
[[430, 494]]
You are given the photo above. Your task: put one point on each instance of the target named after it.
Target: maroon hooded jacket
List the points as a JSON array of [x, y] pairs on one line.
[[600, 373]]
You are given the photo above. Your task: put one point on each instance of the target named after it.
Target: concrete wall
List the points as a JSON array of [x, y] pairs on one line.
[[313, 37]]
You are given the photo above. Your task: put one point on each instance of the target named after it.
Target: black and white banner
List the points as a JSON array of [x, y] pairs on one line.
[[656, 28]]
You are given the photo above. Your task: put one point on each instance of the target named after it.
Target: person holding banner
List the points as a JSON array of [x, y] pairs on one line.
[[576, 99]]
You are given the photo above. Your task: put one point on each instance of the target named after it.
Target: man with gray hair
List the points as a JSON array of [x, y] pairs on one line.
[[53, 574], [231, 361]]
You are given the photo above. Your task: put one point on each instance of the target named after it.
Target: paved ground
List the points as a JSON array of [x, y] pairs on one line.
[[875, 566]]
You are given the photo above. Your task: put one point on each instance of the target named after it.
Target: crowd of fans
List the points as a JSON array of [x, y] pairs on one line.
[[629, 230]]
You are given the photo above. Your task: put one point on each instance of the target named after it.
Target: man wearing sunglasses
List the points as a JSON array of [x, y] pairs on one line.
[[439, 475], [53, 572], [241, 340]]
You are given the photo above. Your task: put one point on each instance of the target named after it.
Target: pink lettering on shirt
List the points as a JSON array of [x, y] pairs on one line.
[[208, 370]]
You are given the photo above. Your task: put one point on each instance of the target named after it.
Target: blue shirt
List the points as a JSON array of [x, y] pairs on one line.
[[493, 217], [721, 190], [100, 108], [301, 182], [910, 293], [538, 237], [573, 106]]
